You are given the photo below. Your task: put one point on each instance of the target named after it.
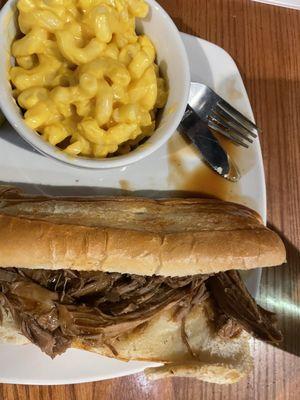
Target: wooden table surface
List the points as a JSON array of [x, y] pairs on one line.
[[265, 42]]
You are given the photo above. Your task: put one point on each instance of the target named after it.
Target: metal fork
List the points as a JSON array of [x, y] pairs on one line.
[[221, 116]]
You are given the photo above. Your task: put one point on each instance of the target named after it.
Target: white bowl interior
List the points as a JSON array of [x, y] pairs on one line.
[[171, 57]]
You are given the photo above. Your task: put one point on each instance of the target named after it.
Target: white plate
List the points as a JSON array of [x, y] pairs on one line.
[[282, 3], [174, 167]]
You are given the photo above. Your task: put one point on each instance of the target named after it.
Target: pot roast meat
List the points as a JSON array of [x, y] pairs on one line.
[[233, 299], [53, 308], [226, 327], [51, 343]]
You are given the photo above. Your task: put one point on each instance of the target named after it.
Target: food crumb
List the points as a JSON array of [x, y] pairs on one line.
[[124, 184]]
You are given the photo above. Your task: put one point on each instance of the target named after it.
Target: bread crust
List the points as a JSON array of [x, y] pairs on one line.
[[218, 360], [173, 237]]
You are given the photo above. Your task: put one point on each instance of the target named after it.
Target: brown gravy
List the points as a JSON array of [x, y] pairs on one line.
[[201, 180]]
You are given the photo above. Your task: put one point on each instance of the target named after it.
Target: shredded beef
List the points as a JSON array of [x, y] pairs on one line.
[[53, 308], [233, 299]]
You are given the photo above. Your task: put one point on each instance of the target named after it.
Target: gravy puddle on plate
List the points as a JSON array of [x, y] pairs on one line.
[[200, 180]]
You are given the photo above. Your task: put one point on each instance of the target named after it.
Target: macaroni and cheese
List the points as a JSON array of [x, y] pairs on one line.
[[86, 81]]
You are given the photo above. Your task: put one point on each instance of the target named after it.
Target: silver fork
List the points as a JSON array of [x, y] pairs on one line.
[[221, 116]]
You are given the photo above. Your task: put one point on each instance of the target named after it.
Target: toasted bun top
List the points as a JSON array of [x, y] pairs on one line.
[[173, 237]]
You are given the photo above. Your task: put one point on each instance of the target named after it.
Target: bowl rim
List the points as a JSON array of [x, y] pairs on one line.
[[141, 152]]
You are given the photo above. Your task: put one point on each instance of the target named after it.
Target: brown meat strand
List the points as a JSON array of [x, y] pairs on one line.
[[51, 308], [233, 299]]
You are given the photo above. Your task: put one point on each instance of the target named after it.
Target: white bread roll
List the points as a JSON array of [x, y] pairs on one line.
[[218, 360], [174, 237]]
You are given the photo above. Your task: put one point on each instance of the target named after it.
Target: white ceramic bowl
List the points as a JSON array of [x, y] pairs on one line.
[[171, 56]]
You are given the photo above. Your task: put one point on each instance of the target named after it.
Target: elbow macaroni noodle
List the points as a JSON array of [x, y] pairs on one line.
[[87, 82]]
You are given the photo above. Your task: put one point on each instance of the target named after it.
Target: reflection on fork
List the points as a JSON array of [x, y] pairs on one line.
[[221, 116]]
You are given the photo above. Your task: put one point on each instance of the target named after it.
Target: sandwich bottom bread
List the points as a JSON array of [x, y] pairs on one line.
[[136, 279]]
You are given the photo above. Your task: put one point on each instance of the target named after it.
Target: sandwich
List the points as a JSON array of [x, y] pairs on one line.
[[136, 279]]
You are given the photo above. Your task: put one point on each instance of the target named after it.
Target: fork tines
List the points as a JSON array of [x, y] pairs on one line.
[[232, 124]]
